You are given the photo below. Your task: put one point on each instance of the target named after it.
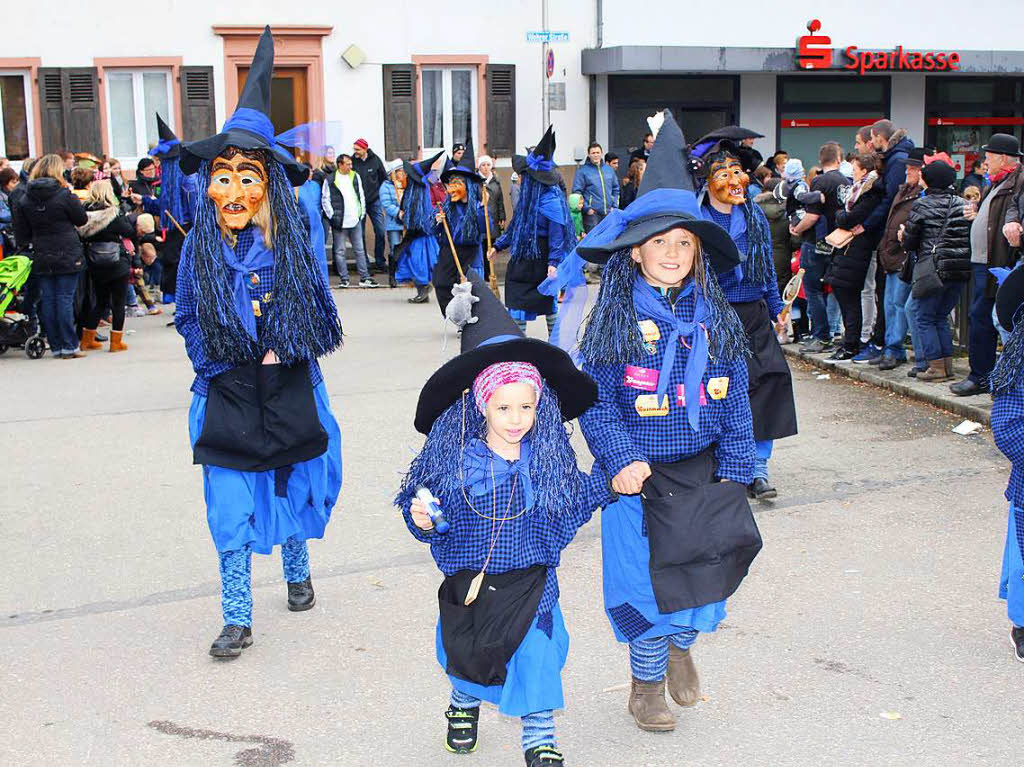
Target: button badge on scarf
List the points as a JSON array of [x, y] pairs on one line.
[[718, 387], [254, 278], [256, 309], [649, 330], [647, 405], [640, 378], [681, 396], [650, 347]]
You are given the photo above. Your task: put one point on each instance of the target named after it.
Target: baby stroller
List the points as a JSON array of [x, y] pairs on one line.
[[16, 329]]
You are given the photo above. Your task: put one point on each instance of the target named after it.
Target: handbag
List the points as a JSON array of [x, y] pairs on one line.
[[840, 238], [104, 254], [926, 281]]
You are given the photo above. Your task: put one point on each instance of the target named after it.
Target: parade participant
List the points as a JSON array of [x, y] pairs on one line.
[[672, 426], [541, 234], [175, 205], [416, 255], [498, 461], [464, 212], [740, 141], [256, 312], [753, 292], [1007, 381]]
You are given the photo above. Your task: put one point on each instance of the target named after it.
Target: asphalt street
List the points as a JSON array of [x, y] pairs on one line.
[[867, 633]]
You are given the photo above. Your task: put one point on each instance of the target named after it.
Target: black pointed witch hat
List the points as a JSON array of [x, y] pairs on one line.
[[539, 164], [465, 167], [418, 171], [664, 201], [494, 338], [250, 126], [169, 145]]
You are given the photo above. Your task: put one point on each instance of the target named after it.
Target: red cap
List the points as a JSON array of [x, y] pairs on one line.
[[361, 143]]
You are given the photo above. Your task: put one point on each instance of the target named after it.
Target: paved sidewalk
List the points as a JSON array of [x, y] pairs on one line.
[[977, 408]]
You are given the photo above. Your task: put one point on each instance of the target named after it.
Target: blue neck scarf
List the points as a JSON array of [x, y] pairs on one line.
[[479, 461], [248, 255], [648, 302]]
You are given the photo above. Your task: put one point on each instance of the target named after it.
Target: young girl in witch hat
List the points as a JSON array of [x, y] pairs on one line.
[[1007, 381], [498, 460], [255, 311], [416, 255], [540, 236], [672, 426]]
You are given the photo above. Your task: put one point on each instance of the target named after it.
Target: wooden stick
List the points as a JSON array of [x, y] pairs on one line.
[[455, 254], [493, 280], [173, 221]]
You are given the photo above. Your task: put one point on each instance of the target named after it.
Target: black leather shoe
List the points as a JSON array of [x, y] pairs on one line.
[[761, 490], [544, 756], [231, 642], [1017, 638], [967, 388], [301, 596], [422, 295]]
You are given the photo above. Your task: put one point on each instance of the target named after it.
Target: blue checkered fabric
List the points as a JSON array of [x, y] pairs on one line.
[[617, 435], [186, 319], [1008, 432], [629, 621], [535, 538], [295, 560], [743, 291]]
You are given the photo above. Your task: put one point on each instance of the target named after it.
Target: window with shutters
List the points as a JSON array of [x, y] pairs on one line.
[[448, 107], [133, 99], [16, 129]]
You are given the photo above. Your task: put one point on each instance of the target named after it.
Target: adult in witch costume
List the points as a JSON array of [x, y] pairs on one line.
[[1007, 381], [738, 140], [255, 311], [499, 463], [175, 205], [672, 426], [753, 291], [540, 236], [464, 214], [416, 255]]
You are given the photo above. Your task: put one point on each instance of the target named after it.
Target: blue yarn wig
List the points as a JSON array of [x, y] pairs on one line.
[[468, 231], [612, 335], [537, 199], [1008, 374], [301, 322], [417, 209], [553, 470], [172, 194]]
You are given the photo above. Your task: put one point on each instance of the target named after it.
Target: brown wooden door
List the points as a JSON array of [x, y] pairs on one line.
[[289, 102]]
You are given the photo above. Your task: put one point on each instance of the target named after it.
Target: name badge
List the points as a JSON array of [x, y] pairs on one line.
[[647, 405], [640, 378], [256, 309], [649, 330], [681, 396], [718, 387]]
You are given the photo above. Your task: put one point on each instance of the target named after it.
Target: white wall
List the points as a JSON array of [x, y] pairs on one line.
[[757, 109], [907, 110]]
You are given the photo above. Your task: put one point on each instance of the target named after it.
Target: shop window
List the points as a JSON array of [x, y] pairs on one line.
[[133, 99], [448, 103], [15, 135]]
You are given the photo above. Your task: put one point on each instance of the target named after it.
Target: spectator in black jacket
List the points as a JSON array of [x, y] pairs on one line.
[[936, 229], [643, 151], [46, 217], [495, 197], [372, 174], [109, 263], [849, 266]]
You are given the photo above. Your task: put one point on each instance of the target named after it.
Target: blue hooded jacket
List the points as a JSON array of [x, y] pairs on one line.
[[894, 175], [599, 186]]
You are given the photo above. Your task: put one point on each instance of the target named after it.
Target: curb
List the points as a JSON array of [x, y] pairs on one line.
[[941, 399]]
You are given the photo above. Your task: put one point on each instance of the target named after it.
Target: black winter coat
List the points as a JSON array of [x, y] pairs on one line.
[[371, 171], [924, 233], [107, 225], [46, 216], [849, 267]]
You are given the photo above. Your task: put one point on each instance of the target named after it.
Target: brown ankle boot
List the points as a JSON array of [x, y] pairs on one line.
[[648, 707], [947, 363], [116, 344], [936, 372], [683, 682], [88, 341]]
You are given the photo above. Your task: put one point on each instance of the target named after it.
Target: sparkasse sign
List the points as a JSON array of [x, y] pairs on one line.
[[814, 51]]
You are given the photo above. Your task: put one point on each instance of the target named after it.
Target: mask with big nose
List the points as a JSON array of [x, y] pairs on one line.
[[727, 182], [238, 187]]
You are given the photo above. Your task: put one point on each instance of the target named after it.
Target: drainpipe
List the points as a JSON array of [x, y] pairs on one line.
[[600, 23]]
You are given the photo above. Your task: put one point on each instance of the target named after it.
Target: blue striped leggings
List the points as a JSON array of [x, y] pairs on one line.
[[538, 727], [648, 658], [236, 578]]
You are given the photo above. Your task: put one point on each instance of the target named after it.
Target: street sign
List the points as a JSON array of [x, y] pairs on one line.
[[544, 36], [551, 63], [556, 97]]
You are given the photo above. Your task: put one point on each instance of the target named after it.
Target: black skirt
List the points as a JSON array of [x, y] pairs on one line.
[[521, 281], [445, 273], [770, 382]]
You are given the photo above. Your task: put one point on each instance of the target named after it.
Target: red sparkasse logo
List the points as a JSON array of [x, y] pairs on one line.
[[814, 51]]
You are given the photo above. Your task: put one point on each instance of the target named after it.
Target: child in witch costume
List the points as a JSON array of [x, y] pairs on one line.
[[753, 291], [498, 460], [464, 213], [672, 425], [416, 255], [540, 236], [255, 311], [1007, 382]]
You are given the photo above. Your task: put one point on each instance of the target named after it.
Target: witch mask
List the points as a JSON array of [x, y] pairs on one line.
[[456, 189], [238, 187], [727, 182]]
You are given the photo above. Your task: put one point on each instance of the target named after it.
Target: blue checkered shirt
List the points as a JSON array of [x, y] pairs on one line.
[[534, 538], [1008, 432], [618, 435], [743, 291], [186, 319]]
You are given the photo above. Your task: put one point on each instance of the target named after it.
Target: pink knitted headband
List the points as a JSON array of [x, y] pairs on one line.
[[501, 374]]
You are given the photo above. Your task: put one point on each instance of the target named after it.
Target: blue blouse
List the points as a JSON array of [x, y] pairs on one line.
[[739, 291]]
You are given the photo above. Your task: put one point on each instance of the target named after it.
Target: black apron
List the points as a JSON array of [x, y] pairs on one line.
[[771, 384], [445, 273], [170, 255], [522, 278], [479, 639], [260, 417], [701, 533]]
